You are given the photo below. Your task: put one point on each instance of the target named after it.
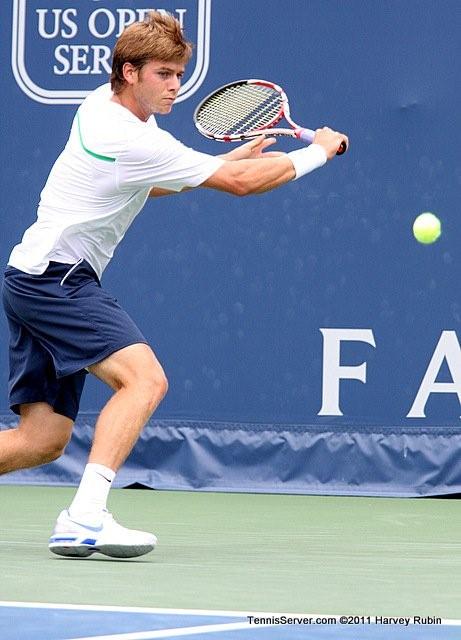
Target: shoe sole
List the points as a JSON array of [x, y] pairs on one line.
[[112, 550]]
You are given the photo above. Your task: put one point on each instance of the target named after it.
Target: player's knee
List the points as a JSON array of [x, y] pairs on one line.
[[51, 454], [49, 449], [149, 389], [162, 386], [43, 433], [144, 380], [155, 388]]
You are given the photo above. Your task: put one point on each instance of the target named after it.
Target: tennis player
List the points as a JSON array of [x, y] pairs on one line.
[[62, 323]]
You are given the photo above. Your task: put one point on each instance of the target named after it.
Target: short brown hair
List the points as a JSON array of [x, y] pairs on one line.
[[158, 37]]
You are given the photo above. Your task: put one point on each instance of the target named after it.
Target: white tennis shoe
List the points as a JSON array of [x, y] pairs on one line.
[[76, 539]]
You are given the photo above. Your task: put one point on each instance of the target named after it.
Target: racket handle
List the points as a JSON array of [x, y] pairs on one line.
[[307, 136]]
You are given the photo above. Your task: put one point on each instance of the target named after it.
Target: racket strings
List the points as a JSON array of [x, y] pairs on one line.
[[245, 110], [239, 109]]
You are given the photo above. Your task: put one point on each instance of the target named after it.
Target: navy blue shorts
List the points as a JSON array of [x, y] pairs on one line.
[[60, 322]]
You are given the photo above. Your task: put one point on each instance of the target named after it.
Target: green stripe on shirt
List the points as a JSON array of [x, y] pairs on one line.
[[98, 156]]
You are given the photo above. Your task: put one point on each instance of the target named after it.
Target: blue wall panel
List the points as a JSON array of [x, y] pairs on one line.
[[232, 293]]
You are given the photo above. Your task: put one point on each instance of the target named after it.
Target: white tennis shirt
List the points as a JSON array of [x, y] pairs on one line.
[[101, 181]]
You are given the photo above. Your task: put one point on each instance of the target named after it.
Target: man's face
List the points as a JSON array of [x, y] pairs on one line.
[[156, 86]]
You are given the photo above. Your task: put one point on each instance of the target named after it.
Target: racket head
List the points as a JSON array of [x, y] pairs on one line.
[[241, 110]]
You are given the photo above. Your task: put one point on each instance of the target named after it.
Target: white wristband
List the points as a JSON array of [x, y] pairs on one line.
[[307, 159]]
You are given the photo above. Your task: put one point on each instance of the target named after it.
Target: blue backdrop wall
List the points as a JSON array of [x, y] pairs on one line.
[[311, 344]]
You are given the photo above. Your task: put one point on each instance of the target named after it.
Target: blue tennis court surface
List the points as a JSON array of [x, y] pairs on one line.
[[23, 621]]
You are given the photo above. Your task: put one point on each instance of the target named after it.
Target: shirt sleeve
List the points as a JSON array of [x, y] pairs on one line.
[[157, 159]]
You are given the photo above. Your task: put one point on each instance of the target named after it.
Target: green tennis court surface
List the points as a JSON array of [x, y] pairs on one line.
[[246, 553]]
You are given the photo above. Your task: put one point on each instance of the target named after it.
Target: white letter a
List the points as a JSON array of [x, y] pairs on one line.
[[447, 348]]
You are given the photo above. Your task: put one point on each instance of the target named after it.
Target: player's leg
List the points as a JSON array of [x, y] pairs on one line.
[[40, 437], [64, 323], [139, 385], [47, 406]]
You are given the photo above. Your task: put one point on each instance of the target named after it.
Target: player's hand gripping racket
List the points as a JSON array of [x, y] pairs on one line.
[[246, 109]]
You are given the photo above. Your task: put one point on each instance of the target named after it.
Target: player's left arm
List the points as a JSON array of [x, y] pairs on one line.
[[252, 150]]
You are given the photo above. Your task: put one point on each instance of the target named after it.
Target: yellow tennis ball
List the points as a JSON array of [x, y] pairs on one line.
[[427, 228]]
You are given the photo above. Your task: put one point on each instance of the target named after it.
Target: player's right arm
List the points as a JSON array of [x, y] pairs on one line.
[[249, 176], [244, 177], [170, 167]]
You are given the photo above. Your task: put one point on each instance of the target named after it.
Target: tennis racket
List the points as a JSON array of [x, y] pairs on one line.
[[246, 109]]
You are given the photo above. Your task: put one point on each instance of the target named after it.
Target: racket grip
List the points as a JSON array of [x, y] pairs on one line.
[[305, 135]]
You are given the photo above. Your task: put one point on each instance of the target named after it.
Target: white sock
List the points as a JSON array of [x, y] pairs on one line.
[[91, 497]]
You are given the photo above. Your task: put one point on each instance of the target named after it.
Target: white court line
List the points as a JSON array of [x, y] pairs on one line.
[[173, 633], [123, 609], [452, 622]]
